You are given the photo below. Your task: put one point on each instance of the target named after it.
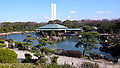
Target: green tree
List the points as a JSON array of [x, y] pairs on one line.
[[53, 33], [51, 22], [87, 28], [28, 41], [42, 51], [107, 28], [54, 59], [58, 21], [88, 40], [7, 56], [44, 41], [55, 22]]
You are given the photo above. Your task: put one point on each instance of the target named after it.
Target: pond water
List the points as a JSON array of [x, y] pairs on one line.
[[68, 44]]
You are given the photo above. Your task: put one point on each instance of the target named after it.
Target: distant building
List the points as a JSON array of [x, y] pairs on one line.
[[59, 29]]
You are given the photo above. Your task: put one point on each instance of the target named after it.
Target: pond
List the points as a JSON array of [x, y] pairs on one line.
[[68, 44]]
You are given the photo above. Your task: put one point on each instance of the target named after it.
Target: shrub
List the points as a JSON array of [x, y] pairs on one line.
[[20, 65], [54, 59], [25, 61], [11, 41], [53, 33], [2, 45], [89, 65], [18, 44], [43, 60], [7, 56], [28, 58], [2, 41], [71, 53]]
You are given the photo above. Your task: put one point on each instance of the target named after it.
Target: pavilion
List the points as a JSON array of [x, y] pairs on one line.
[[59, 29]]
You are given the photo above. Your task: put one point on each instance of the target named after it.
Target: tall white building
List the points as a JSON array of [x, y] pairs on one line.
[[53, 11]]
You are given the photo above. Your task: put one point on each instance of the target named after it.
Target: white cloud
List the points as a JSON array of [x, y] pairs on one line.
[[73, 12], [103, 12]]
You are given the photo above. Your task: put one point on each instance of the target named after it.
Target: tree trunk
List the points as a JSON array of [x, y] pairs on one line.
[[84, 52], [37, 62]]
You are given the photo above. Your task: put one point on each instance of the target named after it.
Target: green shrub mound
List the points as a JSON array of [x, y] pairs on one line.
[[7, 56], [89, 65], [30, 65], [2, 40], [2, 43], [20, 65]]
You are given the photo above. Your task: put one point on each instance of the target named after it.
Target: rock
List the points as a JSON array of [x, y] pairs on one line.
[[101, 56], [119, 60], [111, 62]]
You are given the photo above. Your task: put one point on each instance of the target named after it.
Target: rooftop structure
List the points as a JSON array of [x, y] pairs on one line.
[[56, 27], [53, 26], [59, 30]]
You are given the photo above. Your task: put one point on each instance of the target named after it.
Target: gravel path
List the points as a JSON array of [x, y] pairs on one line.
[[21, 54], [71, 61], [78, 61]]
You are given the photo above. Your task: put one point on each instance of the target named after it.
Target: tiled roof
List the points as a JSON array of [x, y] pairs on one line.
[[77, 29], [53, 26]]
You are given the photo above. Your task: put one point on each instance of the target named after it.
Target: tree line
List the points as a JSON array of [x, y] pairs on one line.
[[18, 26], [104, 25]]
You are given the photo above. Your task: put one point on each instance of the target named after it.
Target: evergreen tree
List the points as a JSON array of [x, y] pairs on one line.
[[42, 51], [29, 40], [88, 40]]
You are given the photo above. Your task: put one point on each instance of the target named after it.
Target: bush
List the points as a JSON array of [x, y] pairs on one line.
[[7, 56], [43, 60], [28, 56], [11, 41], [54, 59], [2, 45], [55, 66], [89, 65], [20, 65], [18, 44], [2, 41], [71, 53]]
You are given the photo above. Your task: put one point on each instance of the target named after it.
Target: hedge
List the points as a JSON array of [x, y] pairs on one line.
[[7, 56]]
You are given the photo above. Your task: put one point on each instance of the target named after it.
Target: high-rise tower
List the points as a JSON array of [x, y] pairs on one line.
[[53, 11]]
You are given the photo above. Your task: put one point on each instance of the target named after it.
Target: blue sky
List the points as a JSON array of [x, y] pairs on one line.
[[40, 10]]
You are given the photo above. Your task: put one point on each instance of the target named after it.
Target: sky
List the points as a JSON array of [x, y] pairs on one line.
[[40, 10]]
